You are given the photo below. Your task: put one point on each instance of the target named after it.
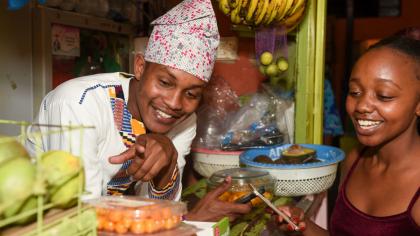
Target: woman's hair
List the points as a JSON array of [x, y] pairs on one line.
[[406, 41], [410, 32]]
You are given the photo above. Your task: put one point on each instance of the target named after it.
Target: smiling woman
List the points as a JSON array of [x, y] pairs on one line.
[[384, 105], [380, 182], [381, 92], [384, 90]]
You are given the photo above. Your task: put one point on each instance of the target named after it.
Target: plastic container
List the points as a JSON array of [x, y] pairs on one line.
[[298, 179], [240, 189], [134, 215]]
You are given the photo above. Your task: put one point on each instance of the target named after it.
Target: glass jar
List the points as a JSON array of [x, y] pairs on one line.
[[240, 191]]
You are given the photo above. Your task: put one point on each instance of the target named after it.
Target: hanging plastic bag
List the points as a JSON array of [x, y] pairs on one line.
[[218, 101], [259, 123]]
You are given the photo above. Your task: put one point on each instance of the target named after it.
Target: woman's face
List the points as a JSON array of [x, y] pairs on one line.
[[384, 96], [167, 96]]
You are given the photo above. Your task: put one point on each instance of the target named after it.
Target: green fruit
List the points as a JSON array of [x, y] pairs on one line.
[[17, 178], [272, 70], [58, 167], [275, 80], [10, 148], [282, 64], [66, 195], [262, 69], [283, 201], [30, 204], [266, 58], [87, 219]]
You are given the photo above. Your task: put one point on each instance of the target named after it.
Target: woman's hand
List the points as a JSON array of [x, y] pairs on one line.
[[210, 208], [296, 214], [153, 155]]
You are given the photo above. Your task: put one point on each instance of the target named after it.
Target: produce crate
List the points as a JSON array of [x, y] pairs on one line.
[[50, 220]]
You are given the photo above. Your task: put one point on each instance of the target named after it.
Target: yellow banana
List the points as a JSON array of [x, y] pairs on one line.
[[224, 6], [297, 4], [271, 8], [270, 17], [292, 21], [251, 8], [281, 12], [260, 16], [234, 17], [244, 2], [238, 5], [289, 4], [258, 9]]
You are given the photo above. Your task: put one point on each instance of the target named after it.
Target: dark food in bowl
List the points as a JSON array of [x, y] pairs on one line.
[[263, 159], [295, 154]]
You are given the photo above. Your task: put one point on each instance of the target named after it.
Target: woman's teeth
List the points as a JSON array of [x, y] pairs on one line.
[[163, 114], [368, 123]]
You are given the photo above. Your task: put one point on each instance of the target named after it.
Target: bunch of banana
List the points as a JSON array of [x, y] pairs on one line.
[[264, 12]]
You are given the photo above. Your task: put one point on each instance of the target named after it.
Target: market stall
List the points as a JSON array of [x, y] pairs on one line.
[[306, 74], [289, 110]]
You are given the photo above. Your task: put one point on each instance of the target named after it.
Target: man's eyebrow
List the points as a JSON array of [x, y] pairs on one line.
[[165, 70]]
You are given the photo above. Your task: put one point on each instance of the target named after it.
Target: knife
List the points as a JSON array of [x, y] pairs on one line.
[[274, 208]]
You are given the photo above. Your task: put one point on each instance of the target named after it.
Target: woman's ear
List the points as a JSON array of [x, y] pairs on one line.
[[139, 65], [418, 110]]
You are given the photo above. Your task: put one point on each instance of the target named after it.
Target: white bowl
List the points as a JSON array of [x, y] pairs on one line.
[[206, 161], [298, 179]]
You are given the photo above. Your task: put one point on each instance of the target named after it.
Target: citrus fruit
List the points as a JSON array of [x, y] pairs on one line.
[[282, 64], [10, 148], [59, 167], [272, 70], [262, 69], [266, 58]]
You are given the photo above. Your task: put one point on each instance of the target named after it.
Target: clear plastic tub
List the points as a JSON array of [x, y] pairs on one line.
[[134, 215], [240, 190]]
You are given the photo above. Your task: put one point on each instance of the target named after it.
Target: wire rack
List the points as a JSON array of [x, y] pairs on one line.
[[79, 220]]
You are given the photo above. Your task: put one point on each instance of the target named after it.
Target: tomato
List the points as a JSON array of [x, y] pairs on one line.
[[138, 227]]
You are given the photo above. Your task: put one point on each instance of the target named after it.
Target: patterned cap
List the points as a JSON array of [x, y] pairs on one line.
[[186, 38]]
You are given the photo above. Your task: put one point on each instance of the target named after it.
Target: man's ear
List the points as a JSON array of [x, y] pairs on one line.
[[139, 65]]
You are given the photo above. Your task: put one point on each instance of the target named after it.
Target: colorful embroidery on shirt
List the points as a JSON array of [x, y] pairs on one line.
[[124, 123], [129, 128], [167, 192], [82, 98]]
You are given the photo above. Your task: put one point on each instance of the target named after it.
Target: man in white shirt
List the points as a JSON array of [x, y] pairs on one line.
[[144, 125]]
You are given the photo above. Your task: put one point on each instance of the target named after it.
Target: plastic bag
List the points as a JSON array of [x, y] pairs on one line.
[[260, 123], [218, 101]]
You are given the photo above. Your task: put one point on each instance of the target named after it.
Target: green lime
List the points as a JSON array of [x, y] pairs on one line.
[[272, 70], [275, 80], [282, 64], [262, 69], [266, 58]]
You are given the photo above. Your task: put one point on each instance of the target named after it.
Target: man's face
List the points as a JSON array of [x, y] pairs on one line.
[[166, 96]]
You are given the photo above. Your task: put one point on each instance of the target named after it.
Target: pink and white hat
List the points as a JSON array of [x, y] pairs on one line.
[[186, 38]]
